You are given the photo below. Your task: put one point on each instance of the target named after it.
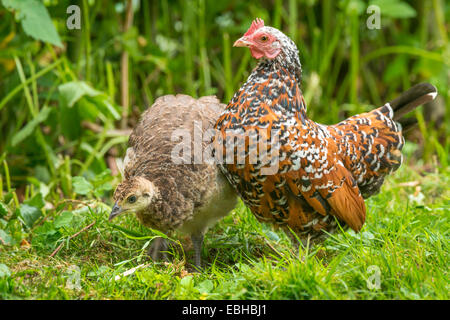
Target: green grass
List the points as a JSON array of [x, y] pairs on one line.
[[405, 238], [56, 151]]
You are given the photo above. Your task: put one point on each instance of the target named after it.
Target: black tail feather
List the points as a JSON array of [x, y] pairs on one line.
[[412, 98], [408, 123]]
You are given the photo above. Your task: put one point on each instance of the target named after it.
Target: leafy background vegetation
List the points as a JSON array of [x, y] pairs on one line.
[[68, 99]]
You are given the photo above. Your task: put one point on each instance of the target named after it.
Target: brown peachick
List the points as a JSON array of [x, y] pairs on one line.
[[165, 194]]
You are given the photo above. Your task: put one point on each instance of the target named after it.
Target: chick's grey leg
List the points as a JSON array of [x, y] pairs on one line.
[[157, 249], [197, 242]]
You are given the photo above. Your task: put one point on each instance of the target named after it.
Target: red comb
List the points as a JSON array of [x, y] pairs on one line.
[[256, 24]]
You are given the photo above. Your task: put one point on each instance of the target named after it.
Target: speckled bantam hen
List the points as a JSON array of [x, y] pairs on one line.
[[323, 171], [170, 193]]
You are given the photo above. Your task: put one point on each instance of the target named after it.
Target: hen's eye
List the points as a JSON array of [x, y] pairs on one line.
[[264, 38], [131, 199]]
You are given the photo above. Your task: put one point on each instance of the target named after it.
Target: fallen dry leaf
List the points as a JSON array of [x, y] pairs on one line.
[[409, 184], [24, 244]]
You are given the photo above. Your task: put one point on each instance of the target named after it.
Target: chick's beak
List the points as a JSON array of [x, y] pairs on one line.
[[116, 210], [242, 42]]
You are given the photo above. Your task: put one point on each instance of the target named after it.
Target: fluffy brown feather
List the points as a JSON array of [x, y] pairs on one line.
[[169, 196]]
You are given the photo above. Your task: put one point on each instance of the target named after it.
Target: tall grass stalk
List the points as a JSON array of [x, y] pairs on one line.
[[439, 14], [147, 19], [21, 86], [7, 177], [204, 61], [412, 51], [189, 51], [293, 19], [87, 40], [26, 90], [229, 89], [354, 57], [39, 137], [34, 86], [277, 13]]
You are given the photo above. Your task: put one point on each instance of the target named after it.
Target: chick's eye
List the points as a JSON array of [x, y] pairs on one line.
[[264, 38], [131, 199]]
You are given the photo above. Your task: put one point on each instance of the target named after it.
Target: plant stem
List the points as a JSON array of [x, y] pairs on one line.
[[25, 88], [354, 58], [124, 66], [87, 39], [188, 51], [293, 20], [39, 137], [8, 179], [203, 51], [33, 83], [17, 89], [413, 51], [227, 67]]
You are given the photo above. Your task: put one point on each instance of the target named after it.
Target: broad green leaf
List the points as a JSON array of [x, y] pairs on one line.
[[394, 8], [206, 286], [87, 147], [69, 120], [81, 185], [3, 209], [87, 109], [91, 101], [30, 126], [4, 270], [271, 235], [6, 238], [100, 271], [111, 109], [131, 233], [99, 191], [161, 62], [44, 189], [35, 20], [7, 197], [45, 236], [186, 282], [102, 183], [42, 173], [63, 220], [395, 69], [102, 178], [353, 6], [75, 90], [102, 104], [29, 214], [37, 201]]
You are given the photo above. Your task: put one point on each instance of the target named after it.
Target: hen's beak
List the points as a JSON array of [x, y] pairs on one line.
[[116, 210], [242, 42]]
